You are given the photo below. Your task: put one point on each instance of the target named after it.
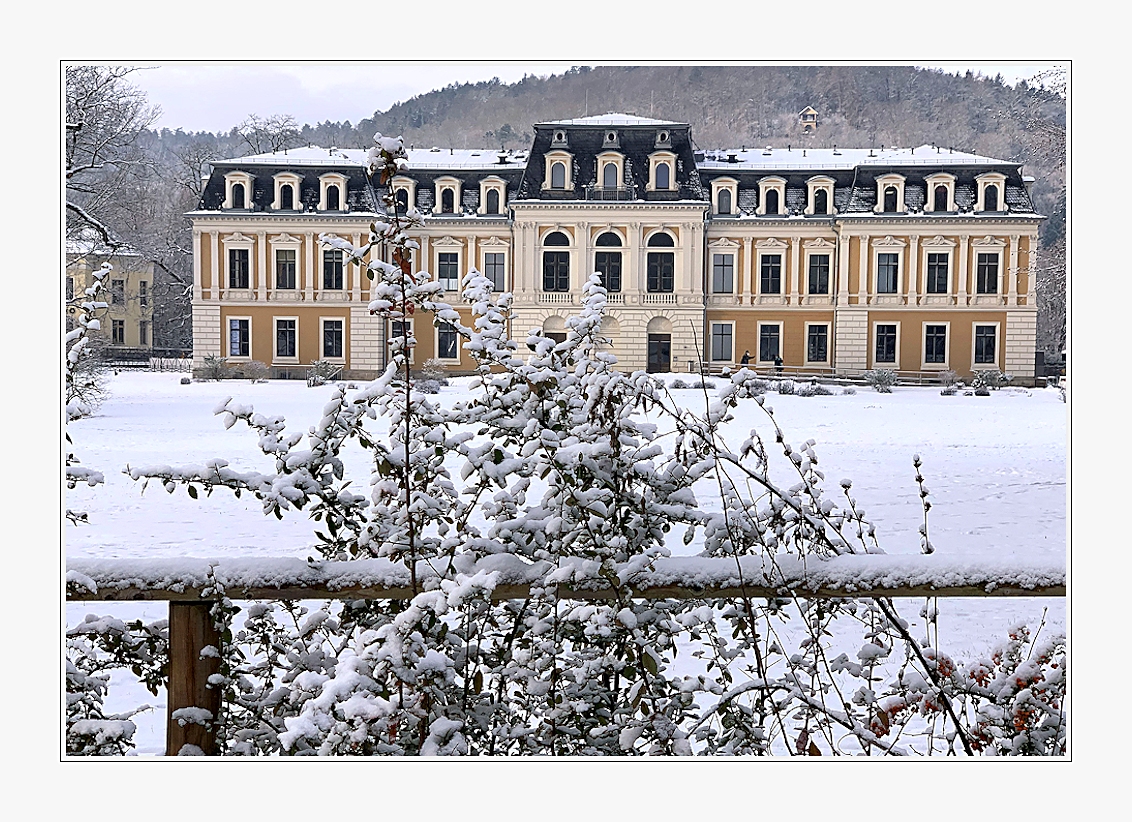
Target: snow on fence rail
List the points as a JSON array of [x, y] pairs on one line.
[[182, 583]]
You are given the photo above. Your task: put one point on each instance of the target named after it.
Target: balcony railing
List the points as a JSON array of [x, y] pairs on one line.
[[596, 192]]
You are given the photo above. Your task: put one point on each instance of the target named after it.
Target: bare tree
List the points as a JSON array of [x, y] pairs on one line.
[[104, 116], [269, 134]]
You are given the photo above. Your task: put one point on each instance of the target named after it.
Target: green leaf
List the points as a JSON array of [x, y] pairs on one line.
[[649, 663], [192, 492]]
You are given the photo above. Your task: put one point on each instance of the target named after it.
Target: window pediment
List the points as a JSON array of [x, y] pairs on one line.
[[938, 242], [818, 244], [888, 241], [771, 243]]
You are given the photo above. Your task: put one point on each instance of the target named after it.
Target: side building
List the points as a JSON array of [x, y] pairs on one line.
[[126, 329], [834, 260]]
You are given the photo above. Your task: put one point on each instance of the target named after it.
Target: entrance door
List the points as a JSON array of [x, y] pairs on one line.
[[660, 353]]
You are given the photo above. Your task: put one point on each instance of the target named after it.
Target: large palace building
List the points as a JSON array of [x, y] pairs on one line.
[[835, 260]]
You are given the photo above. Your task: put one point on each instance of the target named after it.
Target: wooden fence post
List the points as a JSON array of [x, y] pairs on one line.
[[190, 630]]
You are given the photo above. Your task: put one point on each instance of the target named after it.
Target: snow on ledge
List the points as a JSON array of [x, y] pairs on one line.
[[512, 577]]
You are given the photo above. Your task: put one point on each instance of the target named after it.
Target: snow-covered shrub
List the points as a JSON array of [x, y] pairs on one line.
[[948, 378], [949, 390], [881, 379], [186, 380], [214, 368], [981, 391], [702, 384], [256, 371], [813, 389], [428, 386], [320, 372], [83, 382], [991, 378], [678, 384], [435, 369], [848, 390], [784, 386]]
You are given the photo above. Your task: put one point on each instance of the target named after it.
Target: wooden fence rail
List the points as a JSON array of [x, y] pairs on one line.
[[183, 582]]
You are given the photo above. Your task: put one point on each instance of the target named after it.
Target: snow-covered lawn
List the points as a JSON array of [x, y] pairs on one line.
[[995, 467]]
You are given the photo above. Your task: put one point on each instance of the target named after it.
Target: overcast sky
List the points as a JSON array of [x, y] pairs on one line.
[[215, 96]]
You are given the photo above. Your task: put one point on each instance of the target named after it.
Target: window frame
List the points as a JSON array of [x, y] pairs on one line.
[[275, 255], [407, 325], [722, 262], [925, 363], [143, 333], [656, 159], [931, 182], [118, 292], [117, 332], [233, 178], [811, 258], [988, 180], [501, 285], [813, 326], [766, 185], [449, 281], [276, 357], [768, 325], [455, 186], [813, 186], [322, 324], [341, 263], [994, 256], [763, 259], [567, 161], [228, 337], [875, 339], [729, 325], [295, 181], [975, 361], [885, 181], [718, 187], [325, 181], [447, 327]]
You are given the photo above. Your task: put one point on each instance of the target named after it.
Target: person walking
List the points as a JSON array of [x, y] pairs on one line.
[[746, 358], [778, 363]]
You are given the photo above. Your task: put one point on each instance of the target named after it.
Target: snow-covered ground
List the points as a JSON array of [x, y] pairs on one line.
[[995, 467]]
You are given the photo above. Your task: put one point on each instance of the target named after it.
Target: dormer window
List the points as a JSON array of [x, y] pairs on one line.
[[609, 176], [890, 194], [404, 193], [237, 190], [610, 170], [819, 196], [725, 194], [558, 139], [991, 187], [940, 192], [559, 170], [610, 140], [663, 139], [331, 192], [286, 192], [661, 164], [492, 195], [447, 196], [772, 195]]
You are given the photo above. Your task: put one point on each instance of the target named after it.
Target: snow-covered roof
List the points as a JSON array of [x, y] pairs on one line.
[[434, 157], [89, 241], [807, 159], [612, 119]]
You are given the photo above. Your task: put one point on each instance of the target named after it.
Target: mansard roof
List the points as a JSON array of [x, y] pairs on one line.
[[612, 119], [770, 159]]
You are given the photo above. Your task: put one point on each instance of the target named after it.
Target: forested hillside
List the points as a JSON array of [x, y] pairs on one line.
[[727, 106]]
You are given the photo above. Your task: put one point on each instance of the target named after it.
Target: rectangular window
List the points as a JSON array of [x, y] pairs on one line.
[[987, 274], [332, 339], [608, 264], [238, 268], [937, 273], [448, 271], [817, 343], [723, 273], [495, 270], [819, 274], [935, 344], [118, 332], [768, 343], [143, 293], [555, 271], [239, 338], [721, 334], [285, 268], [984, 344], [286, 339], [661, 271], [887, 267], [886, 344], [117, 292], [770, 274], [332, 267], [447, 342], [70, 289], [143, 332]]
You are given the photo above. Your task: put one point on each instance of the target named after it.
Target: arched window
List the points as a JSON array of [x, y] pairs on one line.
[[332, 203], [663, 176], [447, 201], [286, 197], [238, 195], [821, 201], [608, 263], [940, 198], [991, 199], [890, 198], [492, 201], [772, 201], [402, 200], [609, 176], [723, 203], [558, 175], [556, 264], [661, 265]]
